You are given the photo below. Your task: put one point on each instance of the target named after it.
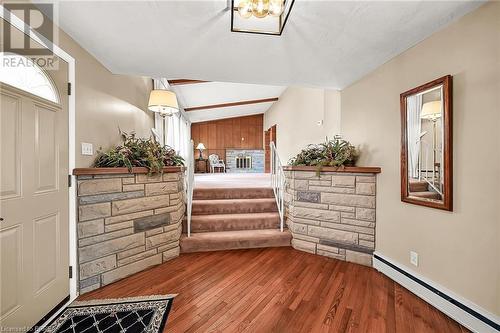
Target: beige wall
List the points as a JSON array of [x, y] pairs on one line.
[[105, 101], [458, 250], [296, 115]]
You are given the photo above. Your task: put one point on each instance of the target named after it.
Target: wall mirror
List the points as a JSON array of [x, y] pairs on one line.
[[426, 145]]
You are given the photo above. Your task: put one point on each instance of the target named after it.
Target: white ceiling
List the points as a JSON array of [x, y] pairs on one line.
[[210, 93], [325, 43], [228, 112]]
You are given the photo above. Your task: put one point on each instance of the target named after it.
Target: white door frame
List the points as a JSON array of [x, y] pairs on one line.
[[22, 26]]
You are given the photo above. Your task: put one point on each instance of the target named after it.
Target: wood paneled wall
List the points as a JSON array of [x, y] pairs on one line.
[[218, 135]]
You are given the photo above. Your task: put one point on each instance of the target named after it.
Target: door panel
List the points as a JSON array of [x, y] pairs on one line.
[[34, 235], [46, 149], [46, 251], [11, 238], [10, 121]]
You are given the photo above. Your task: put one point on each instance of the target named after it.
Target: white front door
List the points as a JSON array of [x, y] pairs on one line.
[[34, 230]]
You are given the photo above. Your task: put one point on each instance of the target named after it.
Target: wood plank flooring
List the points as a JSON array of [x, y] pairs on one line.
[[279, 290]]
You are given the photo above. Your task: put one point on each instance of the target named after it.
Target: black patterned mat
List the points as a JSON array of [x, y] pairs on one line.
[[135, 314]]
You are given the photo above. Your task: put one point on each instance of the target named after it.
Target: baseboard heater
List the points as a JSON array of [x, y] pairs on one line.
[[449, 305]]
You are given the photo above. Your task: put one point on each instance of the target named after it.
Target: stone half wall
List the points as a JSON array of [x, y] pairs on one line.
[[126, 223], [332, 214]]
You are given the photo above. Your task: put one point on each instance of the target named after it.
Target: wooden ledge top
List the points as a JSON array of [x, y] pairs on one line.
[[114, 171], [334, 169]]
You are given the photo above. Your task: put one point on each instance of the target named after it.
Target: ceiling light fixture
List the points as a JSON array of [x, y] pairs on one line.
[[267, 17]]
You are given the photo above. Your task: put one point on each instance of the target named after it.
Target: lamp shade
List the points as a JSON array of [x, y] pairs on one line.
[[201, 146], [163, 102], [431, 110]]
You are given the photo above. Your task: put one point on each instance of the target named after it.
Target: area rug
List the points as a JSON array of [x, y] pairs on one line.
[[146, 314]]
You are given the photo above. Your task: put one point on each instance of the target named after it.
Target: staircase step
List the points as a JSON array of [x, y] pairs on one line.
[[234, 206], [232, 193], [231, 240], [426, 195], [226, 222], [418, 186]]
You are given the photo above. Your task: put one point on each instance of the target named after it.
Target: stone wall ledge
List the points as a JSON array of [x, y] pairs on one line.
[[112, 171], [127, 222], [334, 169], [332, 213]]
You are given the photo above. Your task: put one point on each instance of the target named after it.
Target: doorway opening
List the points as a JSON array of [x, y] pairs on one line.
[[269, 136]]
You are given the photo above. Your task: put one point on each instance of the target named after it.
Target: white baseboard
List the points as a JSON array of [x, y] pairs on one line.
[[460, 309]]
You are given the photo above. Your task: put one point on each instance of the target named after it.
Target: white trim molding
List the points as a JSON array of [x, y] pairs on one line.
[[456, 307]]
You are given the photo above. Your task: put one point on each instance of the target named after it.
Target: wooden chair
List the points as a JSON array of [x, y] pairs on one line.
[[215, 162]]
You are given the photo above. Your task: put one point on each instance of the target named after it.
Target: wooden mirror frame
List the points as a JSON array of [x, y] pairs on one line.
[[447, 202]]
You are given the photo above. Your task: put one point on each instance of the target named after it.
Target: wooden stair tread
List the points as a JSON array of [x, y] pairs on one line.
[[233, 193], [235, 201], [233, 206], [425, 194], [241, 221], [418, 186], [230, 240]]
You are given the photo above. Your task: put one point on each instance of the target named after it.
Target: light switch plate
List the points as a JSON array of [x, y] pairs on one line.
[[87, 148], [414, 258]]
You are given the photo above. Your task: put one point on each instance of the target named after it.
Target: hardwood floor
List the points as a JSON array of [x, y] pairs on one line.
[[279, 290]]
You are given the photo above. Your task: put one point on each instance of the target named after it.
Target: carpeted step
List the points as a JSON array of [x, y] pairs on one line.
[[418, 186], [234, 206], [226, 222], [231, 240], [426, 195], [232, 193]]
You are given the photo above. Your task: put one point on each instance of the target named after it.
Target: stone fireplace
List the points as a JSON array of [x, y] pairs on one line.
[[244, 160]]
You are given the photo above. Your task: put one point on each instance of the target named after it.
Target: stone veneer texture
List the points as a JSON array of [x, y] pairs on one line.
[[126, 223], [332, 215]]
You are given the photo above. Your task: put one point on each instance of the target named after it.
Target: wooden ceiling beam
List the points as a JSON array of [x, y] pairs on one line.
[[180, 82], [225, 105]]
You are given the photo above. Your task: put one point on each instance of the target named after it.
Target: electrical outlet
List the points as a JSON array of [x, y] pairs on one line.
[[87, 148], [320, 122], [414, 258]]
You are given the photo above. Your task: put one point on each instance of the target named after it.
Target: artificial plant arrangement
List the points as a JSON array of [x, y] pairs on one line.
[[332, 153], [137, 152]]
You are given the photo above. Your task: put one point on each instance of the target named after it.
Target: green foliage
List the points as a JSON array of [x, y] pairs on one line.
[[137, 152], [332, 153]]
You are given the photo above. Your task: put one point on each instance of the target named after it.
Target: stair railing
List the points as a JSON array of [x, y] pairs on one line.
[[278, 182], [189, 182], [423, 173]]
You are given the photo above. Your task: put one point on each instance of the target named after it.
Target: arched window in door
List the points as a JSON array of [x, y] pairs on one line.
[[22, 73]]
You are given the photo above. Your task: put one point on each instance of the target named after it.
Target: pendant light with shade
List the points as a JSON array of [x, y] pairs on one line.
[[163, 102]]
